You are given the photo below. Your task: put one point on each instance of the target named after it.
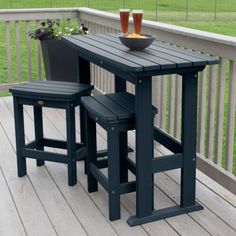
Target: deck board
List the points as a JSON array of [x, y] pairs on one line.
[[63, 210], [10, 222]]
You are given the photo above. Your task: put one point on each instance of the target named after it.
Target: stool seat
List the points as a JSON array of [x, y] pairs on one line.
[[53, 90], [112, 108]]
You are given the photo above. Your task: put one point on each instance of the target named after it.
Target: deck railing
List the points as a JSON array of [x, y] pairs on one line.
[[216, 145]]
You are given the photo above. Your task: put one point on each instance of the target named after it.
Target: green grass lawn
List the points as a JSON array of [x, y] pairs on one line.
[[201, 16]]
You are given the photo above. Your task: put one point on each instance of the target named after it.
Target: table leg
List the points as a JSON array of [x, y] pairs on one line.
[[144, 150], [189, 123], [84, 77], [120, 86]]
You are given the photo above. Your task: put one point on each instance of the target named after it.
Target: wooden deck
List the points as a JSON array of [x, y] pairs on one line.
[[43, 204]]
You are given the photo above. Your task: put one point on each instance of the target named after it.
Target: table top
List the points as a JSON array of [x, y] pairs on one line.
[[106, 49]]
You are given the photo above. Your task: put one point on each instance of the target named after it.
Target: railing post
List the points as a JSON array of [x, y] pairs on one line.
[[230, 120], [187, 9], [215, 8], [123, 3], [156, 8]]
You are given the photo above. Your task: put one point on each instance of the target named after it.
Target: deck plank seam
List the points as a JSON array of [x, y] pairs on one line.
[[16, 208]]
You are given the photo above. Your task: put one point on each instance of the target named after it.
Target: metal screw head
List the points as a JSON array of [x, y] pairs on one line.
[[140, 81], [194, 159], [73, 159], [40, 102], [113, 192], [195, 75], [112, 128]]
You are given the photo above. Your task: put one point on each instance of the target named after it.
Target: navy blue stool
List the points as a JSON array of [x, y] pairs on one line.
[[53, 94], [116, 114]]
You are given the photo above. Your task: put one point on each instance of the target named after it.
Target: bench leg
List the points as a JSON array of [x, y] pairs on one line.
[[114, 174], [91, 144], [38, 129], [71, 144], [20, 137]]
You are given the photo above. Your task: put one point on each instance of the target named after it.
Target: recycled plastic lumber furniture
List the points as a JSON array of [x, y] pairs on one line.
[[116, 114], [53, 94], [138, 67]]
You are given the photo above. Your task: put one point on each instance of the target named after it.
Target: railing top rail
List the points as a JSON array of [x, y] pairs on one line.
[[37, 14]]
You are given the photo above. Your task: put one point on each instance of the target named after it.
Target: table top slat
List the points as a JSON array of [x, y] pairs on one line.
[[210, 59], [165, 64], [91, 39], [179, 62], [98, 55]]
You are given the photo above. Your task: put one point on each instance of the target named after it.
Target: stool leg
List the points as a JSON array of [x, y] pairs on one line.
[[114, 174], [83, 131], [123, 157], [71, 144], [20, 137], [91, 144], [38, 129]]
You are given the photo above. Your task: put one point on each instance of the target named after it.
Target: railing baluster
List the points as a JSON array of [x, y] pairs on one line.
[[2, 62], [163, 102], [211, 112], [231, 116], [38, 53], [201, 113], [220, 112], [68, 21], [156, 92], [97, 70], [171, 108], [92, 66], [177, 121], [8, 45], [18, 53], [28, 46]]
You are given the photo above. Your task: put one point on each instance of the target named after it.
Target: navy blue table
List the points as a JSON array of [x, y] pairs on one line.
[[138, 67]]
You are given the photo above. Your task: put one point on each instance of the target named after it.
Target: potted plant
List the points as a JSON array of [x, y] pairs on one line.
[[60, 60]]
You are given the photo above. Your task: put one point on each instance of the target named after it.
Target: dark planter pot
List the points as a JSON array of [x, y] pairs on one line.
[[60, 61]]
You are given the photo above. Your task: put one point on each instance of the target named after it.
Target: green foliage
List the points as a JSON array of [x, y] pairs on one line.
[[56, 29]]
